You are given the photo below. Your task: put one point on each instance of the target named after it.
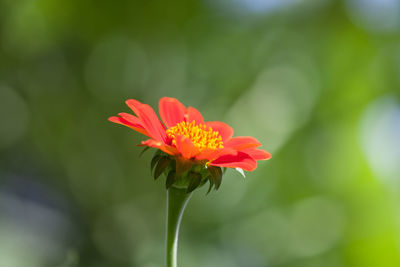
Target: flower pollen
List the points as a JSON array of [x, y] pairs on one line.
[[201, 136]]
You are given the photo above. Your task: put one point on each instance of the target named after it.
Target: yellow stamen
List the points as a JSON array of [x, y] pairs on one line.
[[201, 136]]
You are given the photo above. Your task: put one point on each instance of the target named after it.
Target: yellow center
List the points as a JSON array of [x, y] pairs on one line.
[[201, 136]]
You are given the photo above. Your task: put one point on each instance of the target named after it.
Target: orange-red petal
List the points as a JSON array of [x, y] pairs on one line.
[[148, 119], [242, 142], [240, 160], [193, 114], [129, 124], [151, 123], [187, 149], [171, 111], [132, 119], [163, 147], [211, 154], [224, 130], [134, 105], [257, 154]]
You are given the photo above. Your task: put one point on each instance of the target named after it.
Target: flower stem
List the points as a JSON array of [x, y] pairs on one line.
[[176, 203]]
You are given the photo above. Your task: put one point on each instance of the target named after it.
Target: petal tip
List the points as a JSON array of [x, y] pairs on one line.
[[113, 118]]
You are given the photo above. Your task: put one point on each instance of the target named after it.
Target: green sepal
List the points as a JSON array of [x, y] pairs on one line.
[[154, 161], [204, 180], [195, 180], [215, 176], [182, 166], [170, 179], [211, 186], [144, 150], [162, 164]]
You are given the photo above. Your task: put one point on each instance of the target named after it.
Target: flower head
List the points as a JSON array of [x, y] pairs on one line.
[[197, 147]]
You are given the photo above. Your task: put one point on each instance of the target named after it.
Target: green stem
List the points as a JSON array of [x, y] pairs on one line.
[[176, 203]]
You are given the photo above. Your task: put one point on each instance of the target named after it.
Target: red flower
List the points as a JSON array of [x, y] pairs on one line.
[[185, 135]]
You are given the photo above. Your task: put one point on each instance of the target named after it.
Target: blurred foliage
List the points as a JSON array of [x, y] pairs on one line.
[[317, 82]]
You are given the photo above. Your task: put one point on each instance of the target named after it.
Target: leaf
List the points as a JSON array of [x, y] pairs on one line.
[[216, 175], [240, 170], [161, 166], [170, 179], [144, 150], [195, 179]]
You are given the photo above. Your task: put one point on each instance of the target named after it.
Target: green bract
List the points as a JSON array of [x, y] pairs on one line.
[[185, 174]]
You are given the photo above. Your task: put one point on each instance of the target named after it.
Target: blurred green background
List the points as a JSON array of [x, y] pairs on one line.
[[317, 82]]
